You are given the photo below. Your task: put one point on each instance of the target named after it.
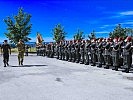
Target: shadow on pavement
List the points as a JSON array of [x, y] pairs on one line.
[[29, 66]]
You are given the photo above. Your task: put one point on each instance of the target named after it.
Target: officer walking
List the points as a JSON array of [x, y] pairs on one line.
[[21, 50], [5, 49]]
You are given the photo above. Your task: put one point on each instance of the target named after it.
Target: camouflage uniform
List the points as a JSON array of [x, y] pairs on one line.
[[73, 52], [100, 56], [77, 48], [107, 54], [70, 51], [93, 54], [87, 52], [127, 56], [116, 56], [57, 50], [66, 51], [82, 52], [21, 50]]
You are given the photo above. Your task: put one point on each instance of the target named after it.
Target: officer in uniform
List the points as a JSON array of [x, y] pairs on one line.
[[127, 55], [116, 54], [57, 50], [5, 49], [73, 51], [63, 50], [77, 50], [26, 50], [70, 51], [87, 52], [93, 52], [66, 51], [21, 50], [100, 52], [107, 53], [60, 50], [82, 52]]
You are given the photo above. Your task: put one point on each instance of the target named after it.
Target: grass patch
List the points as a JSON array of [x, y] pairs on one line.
[[15, 50]]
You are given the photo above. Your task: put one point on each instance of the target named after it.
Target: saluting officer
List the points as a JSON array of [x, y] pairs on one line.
[[93, 52], [87, 52], [77, 50], [107, 53], [116, 55], [82, 52], [100, 52], [127, 53]]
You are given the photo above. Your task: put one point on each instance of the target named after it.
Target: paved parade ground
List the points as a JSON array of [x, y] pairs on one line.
[[43, 78]]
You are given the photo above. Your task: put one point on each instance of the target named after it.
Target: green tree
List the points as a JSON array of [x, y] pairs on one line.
[[92, 35], [129, 32], [18, 27], [78, 35], [58, 33], [118, 32]]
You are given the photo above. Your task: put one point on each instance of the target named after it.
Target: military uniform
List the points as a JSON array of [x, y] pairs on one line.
[[73, 52], [127, 56], [26, 50], [82, 52], [116, 56], [5, 48], [100, 56], [93, 54], [66, 51], [107, 54], [87, 52], [77, 50], [57, 50], [70, 51], [21, 50]]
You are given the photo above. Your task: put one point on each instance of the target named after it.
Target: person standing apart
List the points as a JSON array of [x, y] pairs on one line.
[[5, 50], [21, 50]]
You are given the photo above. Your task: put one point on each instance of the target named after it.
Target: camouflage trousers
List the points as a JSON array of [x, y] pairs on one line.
[[20, 57]]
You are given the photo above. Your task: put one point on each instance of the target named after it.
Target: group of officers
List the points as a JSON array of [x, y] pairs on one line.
[[108, 53], [6, 51]]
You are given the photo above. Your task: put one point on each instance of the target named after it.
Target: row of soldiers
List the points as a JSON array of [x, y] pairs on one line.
[[116, 53]]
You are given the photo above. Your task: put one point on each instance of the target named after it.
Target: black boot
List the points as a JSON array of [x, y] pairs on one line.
[[93, 64], [106, 67], [22, 62], [116, 68], [4, 65], [127, 70], [100, 65]]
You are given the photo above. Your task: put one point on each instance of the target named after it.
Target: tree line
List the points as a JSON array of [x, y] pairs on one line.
[[19, 27]]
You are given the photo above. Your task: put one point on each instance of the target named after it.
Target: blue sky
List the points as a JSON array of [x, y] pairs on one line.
[[86, 15]]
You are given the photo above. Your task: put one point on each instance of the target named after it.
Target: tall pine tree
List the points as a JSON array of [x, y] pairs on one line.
[[18, 27]]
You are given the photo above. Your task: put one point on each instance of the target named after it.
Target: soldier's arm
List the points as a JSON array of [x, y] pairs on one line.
[[10, 50]]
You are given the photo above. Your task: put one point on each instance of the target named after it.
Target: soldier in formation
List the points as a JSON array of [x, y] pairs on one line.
[[108, 53]]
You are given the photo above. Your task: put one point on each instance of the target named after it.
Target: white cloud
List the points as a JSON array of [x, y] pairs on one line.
[[126, 13], [122, 14], [130, 22], [101, 32]]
